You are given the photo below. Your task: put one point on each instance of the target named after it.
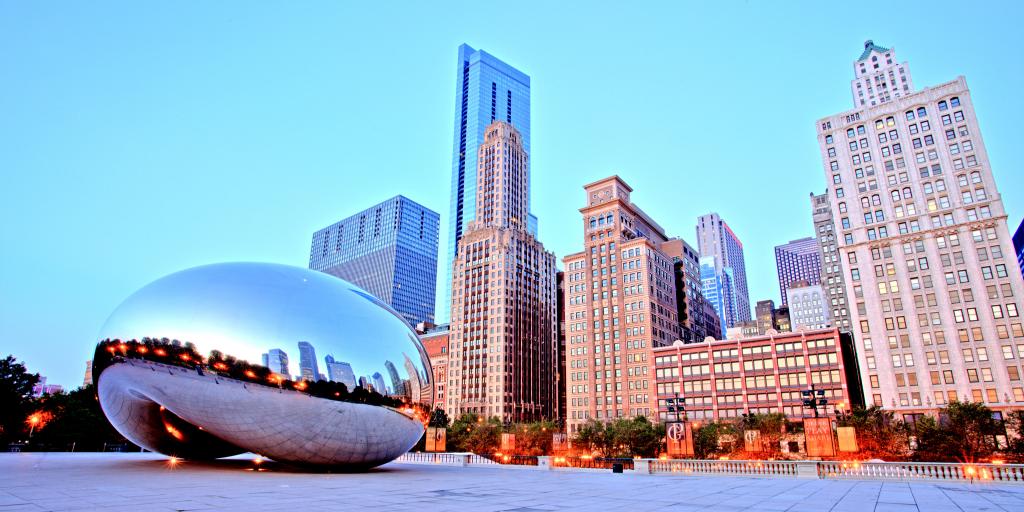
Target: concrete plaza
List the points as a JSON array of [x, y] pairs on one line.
[[61, 481]]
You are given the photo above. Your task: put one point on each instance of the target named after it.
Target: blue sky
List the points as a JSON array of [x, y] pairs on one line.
[[141, 138]]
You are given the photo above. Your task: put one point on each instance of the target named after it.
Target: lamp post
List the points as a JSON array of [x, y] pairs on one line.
[[813, 398], [33, 421]]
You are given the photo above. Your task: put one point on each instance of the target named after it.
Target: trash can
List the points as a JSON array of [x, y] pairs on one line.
[[616, 467]]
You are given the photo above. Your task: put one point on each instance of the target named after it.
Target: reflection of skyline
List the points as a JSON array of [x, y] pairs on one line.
[[307, 362], [340, 371], [392, 382], [277, 360]]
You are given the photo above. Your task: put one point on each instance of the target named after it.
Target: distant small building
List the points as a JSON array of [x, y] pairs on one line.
[[435, 342], [808, 306]]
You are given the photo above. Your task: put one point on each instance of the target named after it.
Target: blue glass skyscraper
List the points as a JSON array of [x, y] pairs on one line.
[[389, 250], [486, 90]]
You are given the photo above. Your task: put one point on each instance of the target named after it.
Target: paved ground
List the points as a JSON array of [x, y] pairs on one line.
[[147, 482]]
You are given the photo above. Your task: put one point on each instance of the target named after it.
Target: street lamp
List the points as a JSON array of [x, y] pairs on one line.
[[33, 422], [676, 405], [814, 398]]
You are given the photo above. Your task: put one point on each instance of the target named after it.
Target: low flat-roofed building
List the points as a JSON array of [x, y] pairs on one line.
[[725, 379]]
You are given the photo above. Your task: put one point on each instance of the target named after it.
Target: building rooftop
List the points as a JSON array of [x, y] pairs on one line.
[[870, 46]]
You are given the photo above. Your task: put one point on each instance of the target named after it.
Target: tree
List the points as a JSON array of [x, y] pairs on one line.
[[438, 418], [879, 434], [534, 438], [966, 433], [15, 398], [592, 437], [706, 439], [770, 428], [1015, 448], [76, 420], [622, 437]]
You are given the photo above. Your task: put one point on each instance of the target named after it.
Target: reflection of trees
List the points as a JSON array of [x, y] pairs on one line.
[[184, 355]]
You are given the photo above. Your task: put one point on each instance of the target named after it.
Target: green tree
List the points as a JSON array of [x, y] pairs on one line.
[[439, 418], [965, 434], [592, 437], [1015, 448], [75, 420], [534, 438], [770, 427], [706, 439], [15, 399], [879, 434]]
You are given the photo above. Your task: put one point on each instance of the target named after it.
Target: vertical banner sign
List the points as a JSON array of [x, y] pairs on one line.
[[436, 439], [679, 437], [559, 443], [752, 441], [508, 444], [819, 439], [847, 439]]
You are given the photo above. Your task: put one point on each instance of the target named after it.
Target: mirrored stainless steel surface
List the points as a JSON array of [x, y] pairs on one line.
[[263, 334]]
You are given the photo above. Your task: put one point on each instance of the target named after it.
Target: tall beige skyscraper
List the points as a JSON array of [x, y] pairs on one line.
[[503, 333], [924, 247], [878, 77], [620, 303]]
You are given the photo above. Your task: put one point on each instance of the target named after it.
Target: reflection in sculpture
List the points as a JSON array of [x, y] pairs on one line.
[[174, 372]]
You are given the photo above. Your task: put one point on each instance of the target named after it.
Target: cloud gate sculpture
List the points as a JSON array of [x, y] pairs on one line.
[[288, 363]]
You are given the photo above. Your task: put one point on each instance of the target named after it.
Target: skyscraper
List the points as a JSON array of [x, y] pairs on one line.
[[798, 260], [487, 90], [878, 77], [277, 360], [927, 255], [503, 322], [692, 308], [717, 240], [308, 369], [831, 266], [340, 371], [389, 250], [718, 290], [620, 303]]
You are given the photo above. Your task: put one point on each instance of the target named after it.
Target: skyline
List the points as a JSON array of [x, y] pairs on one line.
[[90, 119]]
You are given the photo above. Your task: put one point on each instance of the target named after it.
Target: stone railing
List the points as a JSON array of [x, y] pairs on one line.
[[936, 471], [891, 471], [720, 467]]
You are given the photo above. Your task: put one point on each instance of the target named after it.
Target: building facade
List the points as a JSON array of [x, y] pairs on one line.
[[339, 371], [717, 240], [435, 342], [1018, 245], [798, 260], [503, 340], [926, 250], [808, 306], [764, 316], [620, 303], [389, 250], [725, 379], [277, 360], [486, 90], [832, 279], [308, 368]]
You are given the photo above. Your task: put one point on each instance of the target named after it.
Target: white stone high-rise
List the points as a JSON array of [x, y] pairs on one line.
[[878, 77], [924, 246]]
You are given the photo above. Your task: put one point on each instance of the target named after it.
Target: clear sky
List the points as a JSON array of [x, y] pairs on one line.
[[141, 138]]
